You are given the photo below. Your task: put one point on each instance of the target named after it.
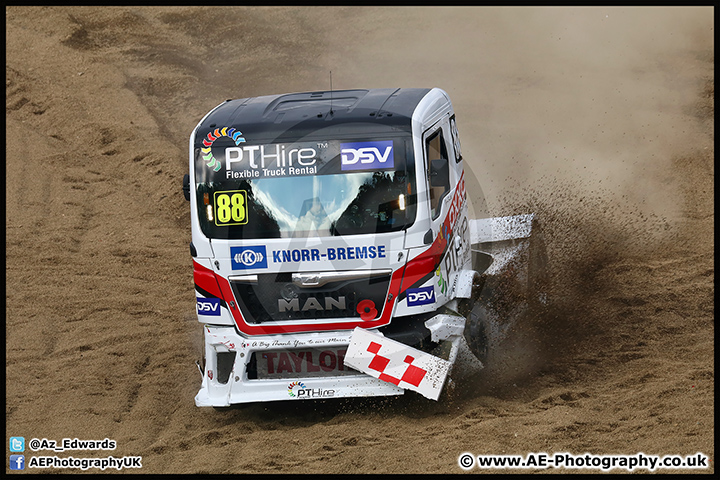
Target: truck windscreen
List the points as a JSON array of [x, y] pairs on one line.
[[309, 188]]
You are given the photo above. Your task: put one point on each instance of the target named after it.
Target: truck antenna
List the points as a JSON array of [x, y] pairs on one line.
[[331, 93]]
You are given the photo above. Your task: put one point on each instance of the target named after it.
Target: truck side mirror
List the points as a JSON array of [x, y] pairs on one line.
[[439, 173], [186, 186]]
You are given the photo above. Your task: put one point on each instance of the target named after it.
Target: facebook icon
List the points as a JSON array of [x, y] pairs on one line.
[[17, 462]]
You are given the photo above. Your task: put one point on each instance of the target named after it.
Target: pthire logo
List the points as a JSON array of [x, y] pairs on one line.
[[277, 155]]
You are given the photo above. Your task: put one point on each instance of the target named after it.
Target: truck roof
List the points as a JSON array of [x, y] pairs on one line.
[[289, 117]]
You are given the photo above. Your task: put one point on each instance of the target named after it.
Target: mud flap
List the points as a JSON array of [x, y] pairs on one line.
[[397, 363], [509, 255]]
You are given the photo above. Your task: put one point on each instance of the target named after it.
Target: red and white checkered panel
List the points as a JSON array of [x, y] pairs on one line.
[[395, 362]]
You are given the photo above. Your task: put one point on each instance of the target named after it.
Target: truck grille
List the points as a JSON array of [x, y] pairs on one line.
[[273, 297]]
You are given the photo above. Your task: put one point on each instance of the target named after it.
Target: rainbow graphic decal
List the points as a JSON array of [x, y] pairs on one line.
[[213, 162], [292, 386]]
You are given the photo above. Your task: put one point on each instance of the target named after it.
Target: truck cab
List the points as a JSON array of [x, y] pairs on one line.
[[320, 218]]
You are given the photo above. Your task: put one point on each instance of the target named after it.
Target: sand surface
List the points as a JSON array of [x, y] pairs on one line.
[[600, 120]]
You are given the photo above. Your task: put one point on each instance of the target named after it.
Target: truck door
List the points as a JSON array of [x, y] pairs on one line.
[[446, 201], [443, 164], [438, 171]]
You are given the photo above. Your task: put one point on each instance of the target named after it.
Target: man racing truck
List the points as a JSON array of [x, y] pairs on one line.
[[332, 251]]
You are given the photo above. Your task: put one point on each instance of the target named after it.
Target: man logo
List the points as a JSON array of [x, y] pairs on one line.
[[420, 296], [311, 303], [367, 155], [244, 258]]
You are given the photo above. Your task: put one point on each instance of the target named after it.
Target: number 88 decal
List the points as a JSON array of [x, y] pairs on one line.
[[231, 208]]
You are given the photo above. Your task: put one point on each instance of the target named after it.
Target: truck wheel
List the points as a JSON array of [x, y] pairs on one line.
[[477, 332]]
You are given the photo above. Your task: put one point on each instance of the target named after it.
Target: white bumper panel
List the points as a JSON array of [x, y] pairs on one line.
[[388, 372], [240, 389]]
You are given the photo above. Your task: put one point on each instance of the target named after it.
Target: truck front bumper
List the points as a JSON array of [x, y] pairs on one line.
[[240, 369]]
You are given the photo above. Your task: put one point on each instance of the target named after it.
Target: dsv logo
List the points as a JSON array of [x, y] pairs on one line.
[[420, 296], [244, 258], [208, 306], [367, 155]]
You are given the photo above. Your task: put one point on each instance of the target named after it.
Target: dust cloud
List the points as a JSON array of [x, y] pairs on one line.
[[590, 96]]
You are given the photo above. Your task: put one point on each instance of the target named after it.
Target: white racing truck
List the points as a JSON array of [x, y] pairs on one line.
[[332, 250]]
